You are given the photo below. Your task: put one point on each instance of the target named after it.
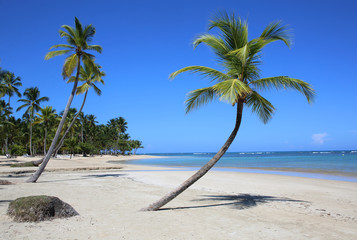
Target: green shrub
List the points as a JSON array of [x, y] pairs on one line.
[[17, 150]]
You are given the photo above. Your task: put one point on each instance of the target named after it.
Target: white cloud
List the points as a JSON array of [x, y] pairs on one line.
[[319, 138]]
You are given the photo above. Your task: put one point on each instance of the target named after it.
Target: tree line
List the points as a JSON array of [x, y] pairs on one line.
[[32, 133]]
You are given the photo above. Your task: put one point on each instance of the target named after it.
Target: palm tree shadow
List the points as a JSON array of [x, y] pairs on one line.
[[239, 202], [85, 177]]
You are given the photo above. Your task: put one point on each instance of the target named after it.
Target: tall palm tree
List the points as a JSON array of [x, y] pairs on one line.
[[89, 75], [46, 117], [11, 84], [32, 101], [238, 84], [77, 39], [5, 124]]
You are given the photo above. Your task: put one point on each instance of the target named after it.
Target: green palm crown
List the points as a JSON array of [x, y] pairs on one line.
[[240, 58], [77, 39]]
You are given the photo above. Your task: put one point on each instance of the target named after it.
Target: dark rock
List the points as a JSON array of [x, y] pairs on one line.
[[39, 208], [5, 182]]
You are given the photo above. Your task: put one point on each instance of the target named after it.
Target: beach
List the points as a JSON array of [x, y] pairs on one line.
[[108, 196]]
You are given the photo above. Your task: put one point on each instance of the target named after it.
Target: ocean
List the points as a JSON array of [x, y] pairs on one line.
[[334, 165]]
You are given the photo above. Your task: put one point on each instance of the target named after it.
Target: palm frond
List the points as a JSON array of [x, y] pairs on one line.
[[97, 90], [231, 90], [88, 32], [83, 88], [52, 54], [43, 99], [284, 82], [262, 107], [79, 29], [71, 79], [276, 31], [203, 71], [96, 48], [71, 39], [216, 43], [22, 106], [62, 46], [69, 65], [199, 97], [242, 54], [234, 31]]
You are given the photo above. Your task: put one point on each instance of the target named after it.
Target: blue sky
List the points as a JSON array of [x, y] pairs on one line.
[[144, 41]]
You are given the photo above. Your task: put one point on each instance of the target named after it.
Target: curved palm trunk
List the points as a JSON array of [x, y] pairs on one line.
[[71, 125], [44, 142], [31, 138], [200, 173], [39, 171], [59, 145]]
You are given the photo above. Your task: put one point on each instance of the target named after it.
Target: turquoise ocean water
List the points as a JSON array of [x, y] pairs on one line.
[[335, 165]]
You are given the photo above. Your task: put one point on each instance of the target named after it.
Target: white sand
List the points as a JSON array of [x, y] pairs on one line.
[[222, 205]]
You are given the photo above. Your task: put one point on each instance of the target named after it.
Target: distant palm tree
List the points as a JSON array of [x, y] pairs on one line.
[[11, 84], [238, 84], [136, 144], [117, 126], [48, 115], [32, 101], [5, 124], [77, 39]]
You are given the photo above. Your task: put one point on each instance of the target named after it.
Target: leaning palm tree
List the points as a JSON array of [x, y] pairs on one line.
[[238, 84], [77, 39], [11, 84], [46, 117], [89, 75], [32, 101]]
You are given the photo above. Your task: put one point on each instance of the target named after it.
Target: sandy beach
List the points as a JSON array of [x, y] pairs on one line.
[[222, 205]]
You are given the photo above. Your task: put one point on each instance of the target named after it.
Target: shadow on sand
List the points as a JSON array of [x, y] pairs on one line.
[[84, 177], [239, 202], [5, 201]]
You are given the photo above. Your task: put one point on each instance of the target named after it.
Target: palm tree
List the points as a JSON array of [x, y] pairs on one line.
[[117, 127], [5, 112], [32, 101], [11, 84], [136, 144], [47, 116], [89, 75], [238, 84], [77, 39]]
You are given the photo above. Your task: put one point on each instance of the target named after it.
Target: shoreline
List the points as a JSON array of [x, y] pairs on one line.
[[112, 162], [297, 172]]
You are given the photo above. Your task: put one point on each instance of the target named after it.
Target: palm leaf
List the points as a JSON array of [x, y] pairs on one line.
[[97, 90], [242, 54], [83, 88], [69, 65], [56, 53], [231, 90], [62, 46], [204, 71], [275, 31], [96, 48], [217, 44], [262, 107], [71, 79], [284, 82], [199, 97]]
